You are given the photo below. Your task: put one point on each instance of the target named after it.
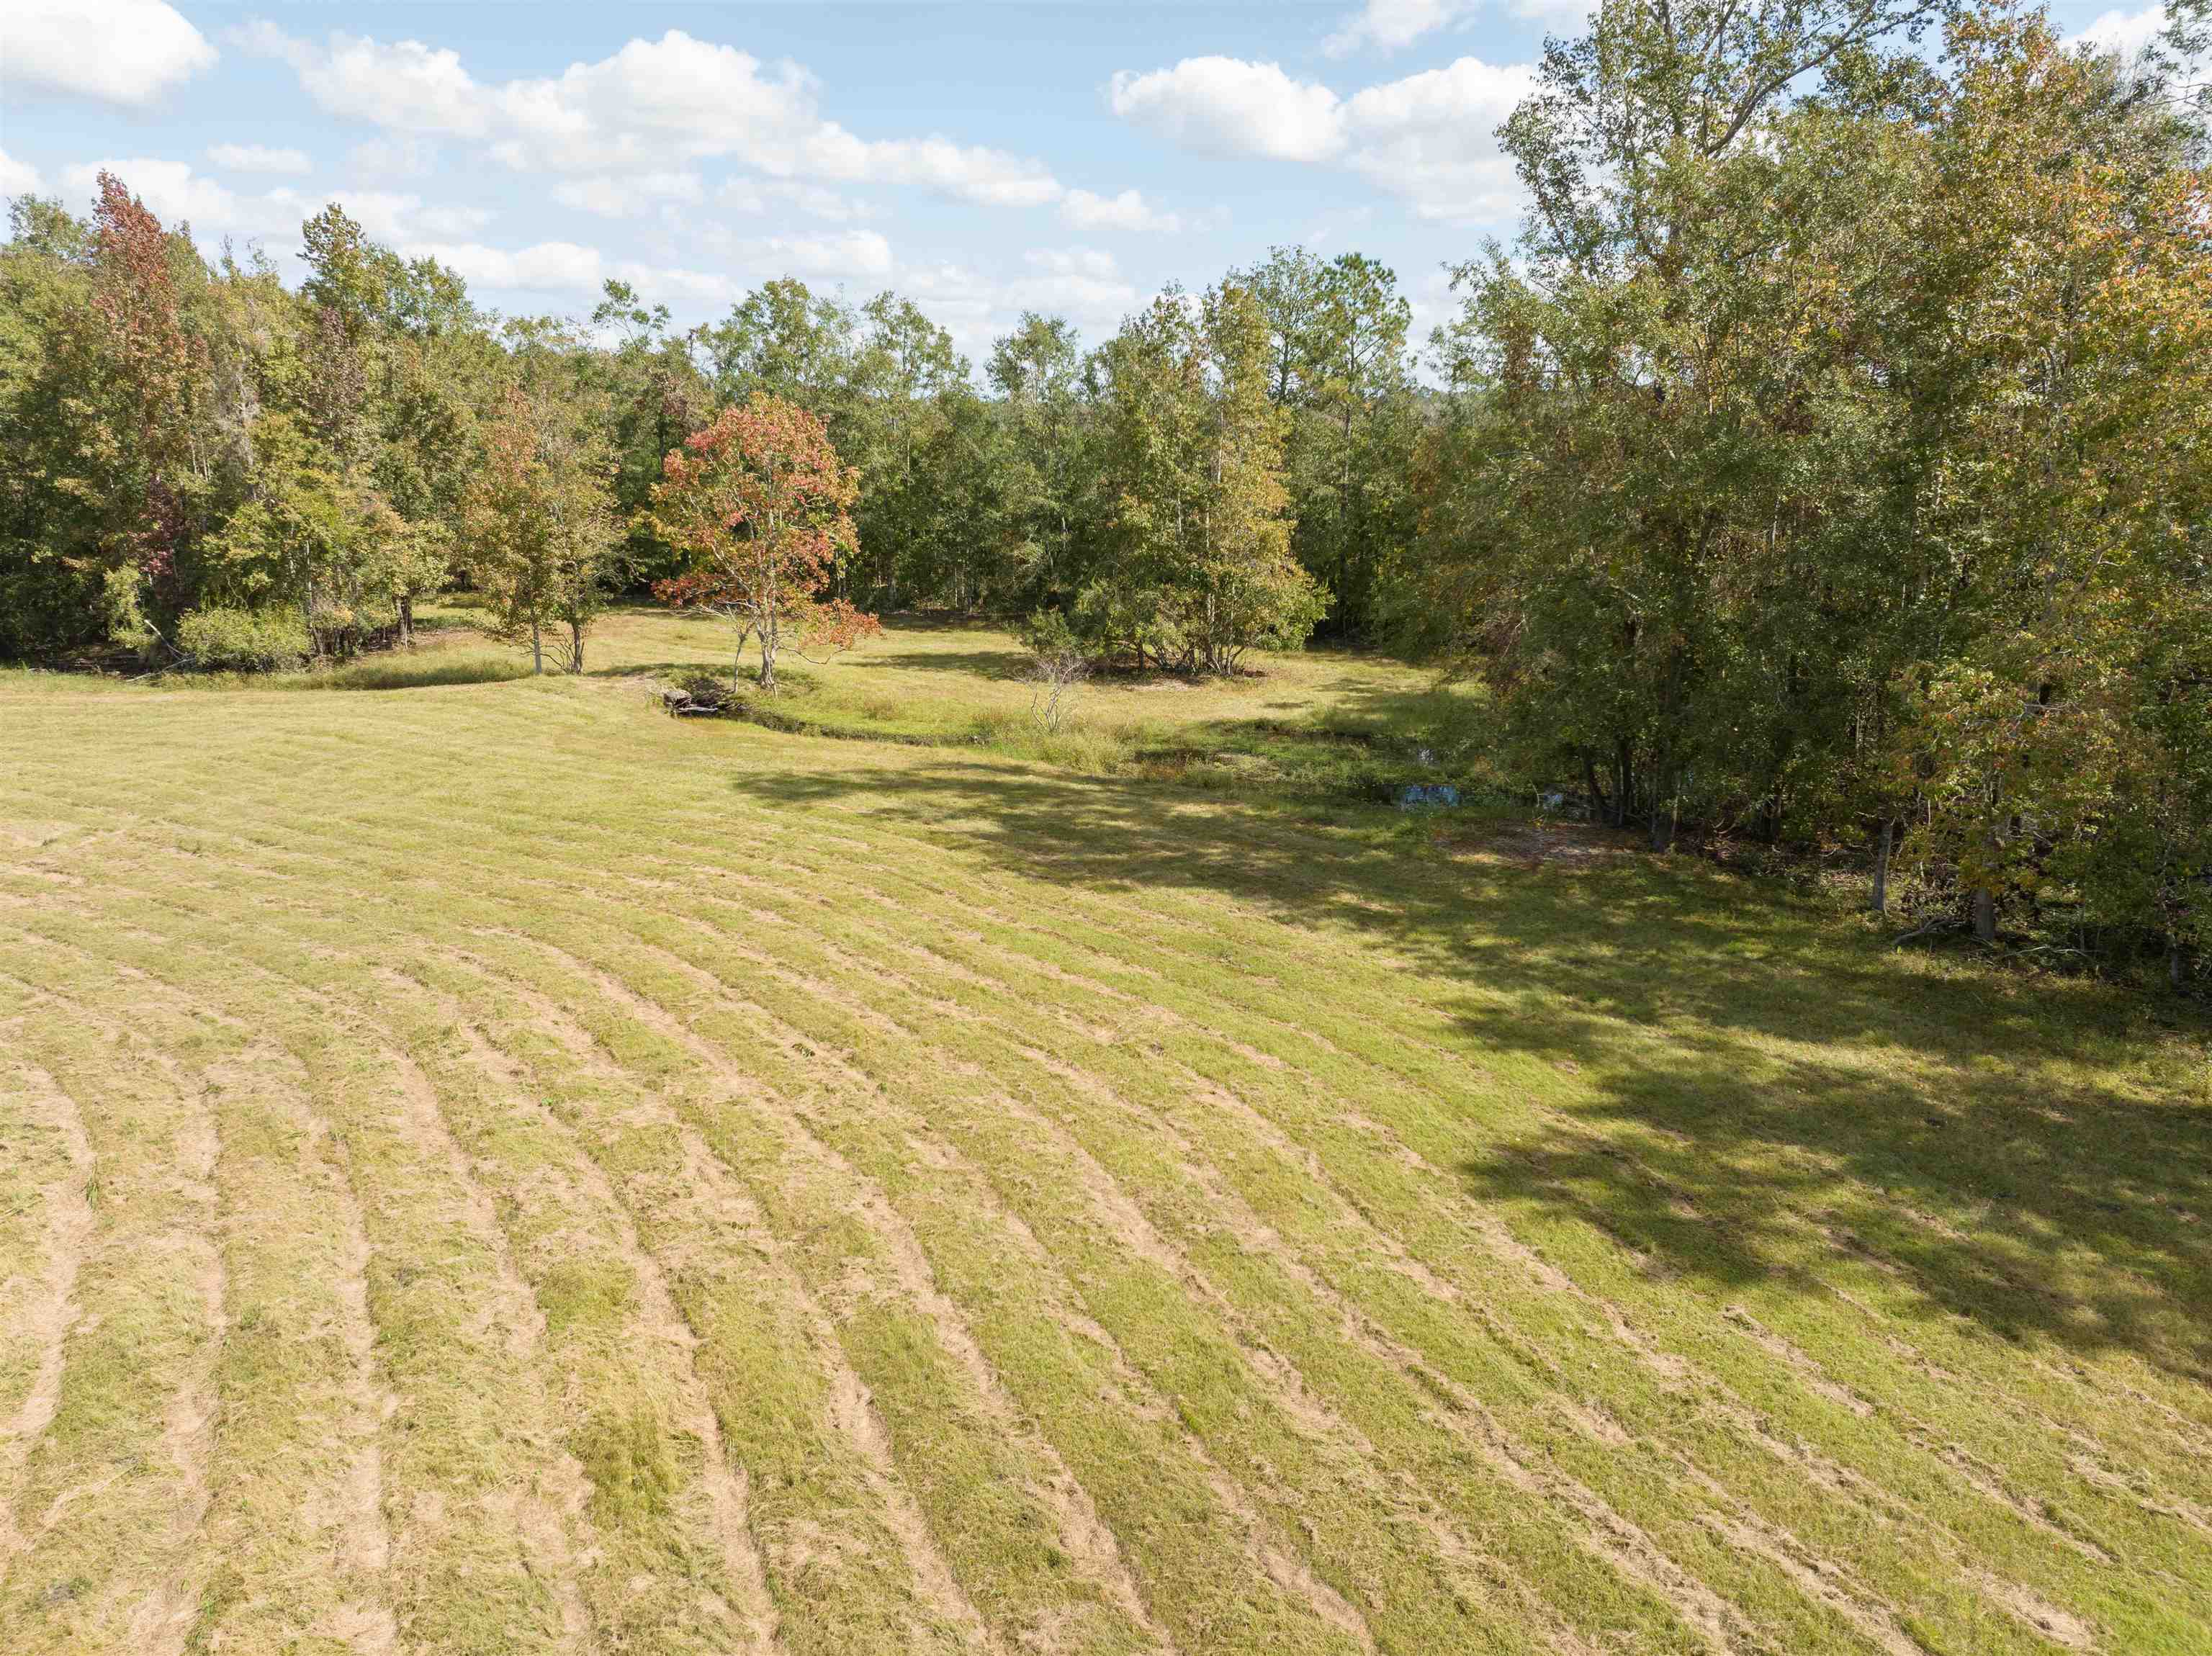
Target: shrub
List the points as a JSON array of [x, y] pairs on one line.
[[243, 640], [1057, 665]]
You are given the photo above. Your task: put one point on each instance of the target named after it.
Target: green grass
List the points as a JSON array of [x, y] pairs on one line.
[[485, 1167]]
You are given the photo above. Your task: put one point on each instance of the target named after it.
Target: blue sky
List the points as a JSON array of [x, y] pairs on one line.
[[983, 158]]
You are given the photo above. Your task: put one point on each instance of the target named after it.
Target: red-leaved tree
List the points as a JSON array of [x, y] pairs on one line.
[[155, 363], [762, 507]]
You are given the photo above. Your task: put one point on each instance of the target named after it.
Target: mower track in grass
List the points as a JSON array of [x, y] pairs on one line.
[[488, 1169]]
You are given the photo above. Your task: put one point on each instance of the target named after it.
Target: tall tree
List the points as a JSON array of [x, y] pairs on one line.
[[1036, 372], [541, 526], [761, 504], [1199, 570], [1338, 368]]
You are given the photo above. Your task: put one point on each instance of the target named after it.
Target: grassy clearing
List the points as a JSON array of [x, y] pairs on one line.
[[1311, 723], [489, 1168]]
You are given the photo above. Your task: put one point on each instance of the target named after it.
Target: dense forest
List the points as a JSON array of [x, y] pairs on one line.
[[1829, 460]]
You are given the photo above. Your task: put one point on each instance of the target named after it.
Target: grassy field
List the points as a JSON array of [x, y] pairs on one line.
[[487, 1168]]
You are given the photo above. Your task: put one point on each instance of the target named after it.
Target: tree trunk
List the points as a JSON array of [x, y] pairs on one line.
[[575, 647], [1882, 866], [1662, 811], [2177, 975], [1985, 916], [536, 648], [1598, 809], [407, 619]]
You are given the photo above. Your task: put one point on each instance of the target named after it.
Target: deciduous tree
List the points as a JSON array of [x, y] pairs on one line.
[[540, 525], [761, 506]]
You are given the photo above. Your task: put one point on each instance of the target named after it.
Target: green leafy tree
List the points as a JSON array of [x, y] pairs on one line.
[[309, 537], [1201, 569], [540, 527], [1339, 369], [1044, 462]]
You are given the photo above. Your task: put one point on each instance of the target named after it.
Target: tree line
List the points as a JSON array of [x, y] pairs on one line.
[[1827, 460], [205, 464], [1838, 465]]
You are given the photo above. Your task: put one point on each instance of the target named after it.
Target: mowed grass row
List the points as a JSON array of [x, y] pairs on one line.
[[583, 1182]]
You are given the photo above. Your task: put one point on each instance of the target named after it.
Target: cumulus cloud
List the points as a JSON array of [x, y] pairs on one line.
[[1126, 211], [568, 272], [1227, 106], [676, 99], [836, 256], [1390, 25], [2126, 33], [394, 157], [258, 158], [555, 267], [406, 86], [177, 195], [1432, 137], [121, 51], [816, 202], [1083, 284], [846, 254], [1429, 137], [612, 197], [404, 218], [754, 194], [19, 178]]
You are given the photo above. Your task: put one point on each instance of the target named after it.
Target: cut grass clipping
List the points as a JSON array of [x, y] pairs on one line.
[[486, 1167]]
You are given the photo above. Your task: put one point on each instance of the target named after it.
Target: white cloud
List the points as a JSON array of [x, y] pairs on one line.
[[123, 51], [672, 284], [1431, 137], [1227, 106], [19, 178], [746, 195], [258, 158], [407, 86], [177, 195], [863, 254], [817, 202], [653, 103], [2123, 31], [1082, 284], [400, 216], [628, 198], [861, 257], [561, 268], [570, 271], [1126, 211], [1390, 24], [992, 176], [398, 156]]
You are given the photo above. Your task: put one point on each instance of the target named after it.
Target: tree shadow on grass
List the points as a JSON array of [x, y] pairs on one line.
[[982, 663], [1755, 1084]]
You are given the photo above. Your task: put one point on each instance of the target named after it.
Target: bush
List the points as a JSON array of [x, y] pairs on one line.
[[243, 640], [1057, 666]]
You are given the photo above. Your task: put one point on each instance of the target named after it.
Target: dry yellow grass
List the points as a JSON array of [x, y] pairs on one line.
[[487, 1168]]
